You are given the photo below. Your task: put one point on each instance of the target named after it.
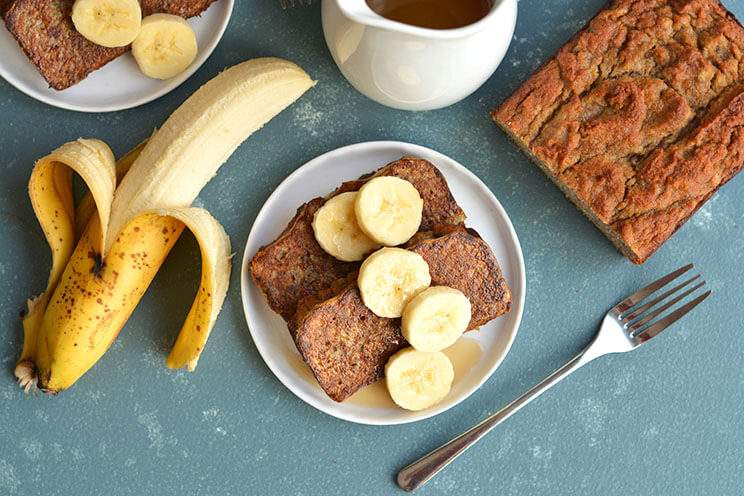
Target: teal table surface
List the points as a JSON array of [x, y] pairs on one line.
[[666, 419]]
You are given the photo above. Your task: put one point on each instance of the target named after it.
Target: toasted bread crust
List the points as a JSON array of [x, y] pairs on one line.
[[44, 30], [637, 117], [462, 260], [440, 206], [295, 266], [347, 346]]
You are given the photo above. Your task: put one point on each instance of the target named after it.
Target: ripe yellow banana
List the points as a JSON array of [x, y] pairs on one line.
[[93, 289], [50, 190], [94, 299]]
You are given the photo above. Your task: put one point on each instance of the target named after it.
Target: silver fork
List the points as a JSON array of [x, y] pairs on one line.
[[292, 3], [625, 327]]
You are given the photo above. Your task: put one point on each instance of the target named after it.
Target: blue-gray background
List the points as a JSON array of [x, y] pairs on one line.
[[666, 419]]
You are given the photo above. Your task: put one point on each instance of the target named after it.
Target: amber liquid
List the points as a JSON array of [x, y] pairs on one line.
[[434, 14], [464, 354]]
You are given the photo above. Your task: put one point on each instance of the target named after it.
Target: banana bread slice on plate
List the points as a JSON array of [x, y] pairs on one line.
[[347, 346], [46, 58], [45, 32], [294, 265], [367, 346]]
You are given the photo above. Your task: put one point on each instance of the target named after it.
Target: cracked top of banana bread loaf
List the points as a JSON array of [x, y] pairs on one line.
[[638, 117]]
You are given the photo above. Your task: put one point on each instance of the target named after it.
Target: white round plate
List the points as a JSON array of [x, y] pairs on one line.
[[119, 84], [321, 176]]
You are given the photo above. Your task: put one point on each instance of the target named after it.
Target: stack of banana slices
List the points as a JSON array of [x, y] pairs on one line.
[[163, 45], [395, 283]]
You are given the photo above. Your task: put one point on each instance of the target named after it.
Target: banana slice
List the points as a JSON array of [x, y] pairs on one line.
[[435, 318], [337, 232], [165, 46], [389, 210], [389, 278], [109, 23], [418, 379]]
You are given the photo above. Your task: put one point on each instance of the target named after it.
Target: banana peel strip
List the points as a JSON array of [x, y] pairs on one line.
[[87, 206], [214, 244], [50, 191]]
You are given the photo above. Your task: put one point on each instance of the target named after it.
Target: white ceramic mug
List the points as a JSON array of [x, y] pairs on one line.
[[414, 68]]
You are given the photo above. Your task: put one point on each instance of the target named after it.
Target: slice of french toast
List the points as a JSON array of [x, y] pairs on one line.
[[294, 265], [347, 346], [44, 30]]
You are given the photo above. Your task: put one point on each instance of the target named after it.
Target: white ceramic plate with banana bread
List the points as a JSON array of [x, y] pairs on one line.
[[118, 85], [475, 356]]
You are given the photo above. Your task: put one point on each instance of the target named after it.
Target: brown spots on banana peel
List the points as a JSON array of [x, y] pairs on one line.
[[98, 264]]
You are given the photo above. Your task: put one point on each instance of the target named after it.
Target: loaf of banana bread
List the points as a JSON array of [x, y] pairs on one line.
[[639, 117], [44, 30]]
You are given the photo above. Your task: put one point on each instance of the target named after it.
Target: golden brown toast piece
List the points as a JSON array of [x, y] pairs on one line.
[[347, 346], [44, 30], [295, 266]]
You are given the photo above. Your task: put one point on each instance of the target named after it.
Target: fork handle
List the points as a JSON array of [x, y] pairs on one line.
[[426, 467]]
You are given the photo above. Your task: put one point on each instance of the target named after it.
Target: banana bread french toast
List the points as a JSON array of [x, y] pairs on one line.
[[347, 346], [44, 30], [294, 265]]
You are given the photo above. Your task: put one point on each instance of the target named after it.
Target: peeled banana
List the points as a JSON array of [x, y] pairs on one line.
[[109, 23], [186, 152], [94, 286], [435, 318], [337, 231], [389, 278], [165, 46], [389, 210], [418, 379]]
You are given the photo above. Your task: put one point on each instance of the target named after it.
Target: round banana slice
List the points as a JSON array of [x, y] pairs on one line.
[[389, 210], [337, 232], [109, 23], [435, 318], [389, 278], [165, 46], [418, 379]]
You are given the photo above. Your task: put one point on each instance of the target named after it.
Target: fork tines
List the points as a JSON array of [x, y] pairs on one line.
[[637, 318]]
